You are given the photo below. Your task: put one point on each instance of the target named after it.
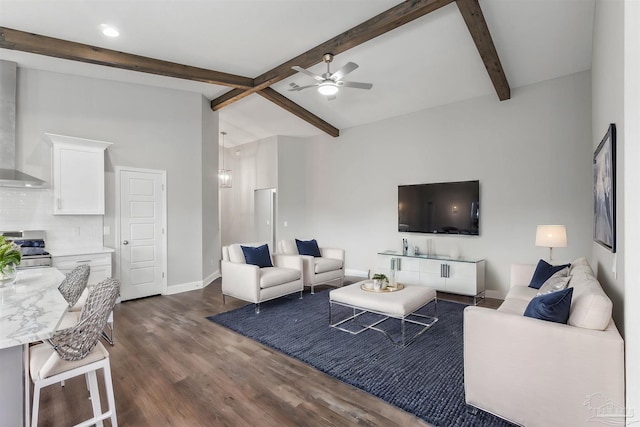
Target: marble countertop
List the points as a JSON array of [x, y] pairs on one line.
[[80, 251], [31, 309]]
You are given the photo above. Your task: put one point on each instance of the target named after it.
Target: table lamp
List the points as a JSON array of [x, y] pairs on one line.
[[551, 236]]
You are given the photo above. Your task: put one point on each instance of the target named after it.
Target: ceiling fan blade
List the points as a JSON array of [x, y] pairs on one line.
[[298, 88], [356, 85], [346, 69], [308, 73]]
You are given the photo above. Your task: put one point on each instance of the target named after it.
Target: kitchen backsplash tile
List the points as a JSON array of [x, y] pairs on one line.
[[31, 209]]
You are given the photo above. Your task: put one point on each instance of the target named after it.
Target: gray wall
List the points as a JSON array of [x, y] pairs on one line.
[[532, 155], [150, 128], [608, 107], [632, 201], [292, 190], [210, 223]]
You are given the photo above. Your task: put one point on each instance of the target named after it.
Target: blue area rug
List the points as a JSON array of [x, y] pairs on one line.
[[424, 378]]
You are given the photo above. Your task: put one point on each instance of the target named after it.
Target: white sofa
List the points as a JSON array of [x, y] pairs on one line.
[[254, 284], [327, 269], [539, 373]]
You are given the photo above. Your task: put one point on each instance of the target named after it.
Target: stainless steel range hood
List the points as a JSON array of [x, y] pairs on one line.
[[9, 176]]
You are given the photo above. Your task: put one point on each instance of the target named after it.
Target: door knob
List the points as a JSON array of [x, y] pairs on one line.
[[125, 242]]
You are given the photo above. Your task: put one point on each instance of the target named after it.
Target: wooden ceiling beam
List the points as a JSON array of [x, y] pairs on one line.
[[284, 102], [49, 46], [386, 21], [474, 18]]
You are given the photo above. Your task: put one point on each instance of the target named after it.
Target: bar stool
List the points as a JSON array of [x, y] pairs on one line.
[[78, 351], [74, 289], [74, 284]]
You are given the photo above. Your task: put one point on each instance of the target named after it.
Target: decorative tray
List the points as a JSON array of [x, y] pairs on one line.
[[396, 288]]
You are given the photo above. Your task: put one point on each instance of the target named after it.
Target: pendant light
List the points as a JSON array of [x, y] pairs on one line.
[[224, 175]]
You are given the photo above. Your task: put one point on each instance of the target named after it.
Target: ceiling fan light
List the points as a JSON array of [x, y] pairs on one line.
[[328, 88]]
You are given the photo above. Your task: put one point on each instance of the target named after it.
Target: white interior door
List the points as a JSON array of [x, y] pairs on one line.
[[141, 233]]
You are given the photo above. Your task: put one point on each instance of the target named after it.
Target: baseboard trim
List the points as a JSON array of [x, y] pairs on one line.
[[192, 286], [210, 278], [357, 273]]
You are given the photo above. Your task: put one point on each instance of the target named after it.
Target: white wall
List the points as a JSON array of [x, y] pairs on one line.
[[532, 155], [632, 203], [607, 72], [150, 128]]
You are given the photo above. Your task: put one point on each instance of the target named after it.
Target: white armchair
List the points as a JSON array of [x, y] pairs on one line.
[[327, 269], [257, 284]]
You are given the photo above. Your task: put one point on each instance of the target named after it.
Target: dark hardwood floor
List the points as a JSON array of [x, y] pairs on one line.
[[172, 367]]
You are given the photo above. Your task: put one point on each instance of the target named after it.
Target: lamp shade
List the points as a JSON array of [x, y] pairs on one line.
[[551, 236]]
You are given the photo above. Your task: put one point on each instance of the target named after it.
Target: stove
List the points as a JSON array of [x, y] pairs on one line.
[[32, 246]]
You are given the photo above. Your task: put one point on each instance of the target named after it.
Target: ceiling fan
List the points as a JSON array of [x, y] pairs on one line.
[[328, 84]]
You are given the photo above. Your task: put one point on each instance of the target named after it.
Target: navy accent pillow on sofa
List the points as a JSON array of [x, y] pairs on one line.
[[258, 255], [544, 270], [553, 307], [308, 247]]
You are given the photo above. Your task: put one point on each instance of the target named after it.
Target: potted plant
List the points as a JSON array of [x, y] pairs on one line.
[[10, 257], [379, 281]]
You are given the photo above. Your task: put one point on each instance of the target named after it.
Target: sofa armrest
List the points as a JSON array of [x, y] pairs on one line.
[[241, 280], [335, 253], [534, 372], [521, 274], [287, 261]]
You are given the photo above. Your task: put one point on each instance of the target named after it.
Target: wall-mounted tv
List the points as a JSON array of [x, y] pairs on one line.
[[440, 208]]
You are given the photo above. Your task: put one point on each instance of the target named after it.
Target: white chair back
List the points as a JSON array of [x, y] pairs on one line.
[[235, 254], [288, 247]]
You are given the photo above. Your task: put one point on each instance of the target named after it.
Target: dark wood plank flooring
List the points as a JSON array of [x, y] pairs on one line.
[[172, 367]]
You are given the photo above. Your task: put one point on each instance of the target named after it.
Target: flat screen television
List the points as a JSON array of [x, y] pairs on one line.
[[440, 208]]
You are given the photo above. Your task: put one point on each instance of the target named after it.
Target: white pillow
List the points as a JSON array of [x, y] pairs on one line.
[[554, 284]]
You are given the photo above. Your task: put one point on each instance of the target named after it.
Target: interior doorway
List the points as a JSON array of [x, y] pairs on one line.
[[264, 203]]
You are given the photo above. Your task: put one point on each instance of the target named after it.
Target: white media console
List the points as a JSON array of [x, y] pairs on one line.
[[464, 276]]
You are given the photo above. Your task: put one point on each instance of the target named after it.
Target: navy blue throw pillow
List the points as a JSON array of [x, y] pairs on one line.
[[544, 270], [308, 247], [553, 307], [258, 255]]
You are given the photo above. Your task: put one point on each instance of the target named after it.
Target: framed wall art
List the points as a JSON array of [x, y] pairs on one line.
[[604, 191]]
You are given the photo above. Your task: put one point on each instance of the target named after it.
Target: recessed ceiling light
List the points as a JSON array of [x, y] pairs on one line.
[[109, 31]]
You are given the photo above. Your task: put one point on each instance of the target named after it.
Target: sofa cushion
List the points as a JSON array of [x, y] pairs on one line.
[[591, 307], [544, 270], [308, 247], [274, 276], [514, 305], [257, 255], [521, 292], [554, 284], [323, 265], [553, 307]]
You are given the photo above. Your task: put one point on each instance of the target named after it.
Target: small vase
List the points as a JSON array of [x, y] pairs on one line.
[[8, 276]]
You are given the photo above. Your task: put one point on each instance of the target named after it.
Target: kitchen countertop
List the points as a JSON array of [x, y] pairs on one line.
[[80, 251], [31, 309]]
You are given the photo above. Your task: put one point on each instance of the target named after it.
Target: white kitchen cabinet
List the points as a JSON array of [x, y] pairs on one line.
[[78, 175], [462, 276], [100, 264]]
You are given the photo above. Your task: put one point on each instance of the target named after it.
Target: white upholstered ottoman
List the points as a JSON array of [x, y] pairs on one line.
[[401, 305]]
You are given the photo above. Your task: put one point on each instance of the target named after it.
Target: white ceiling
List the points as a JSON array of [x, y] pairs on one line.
[[429, 62]]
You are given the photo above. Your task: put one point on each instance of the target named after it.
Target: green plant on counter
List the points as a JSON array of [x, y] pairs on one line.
[[380, 276], [10, 255]]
